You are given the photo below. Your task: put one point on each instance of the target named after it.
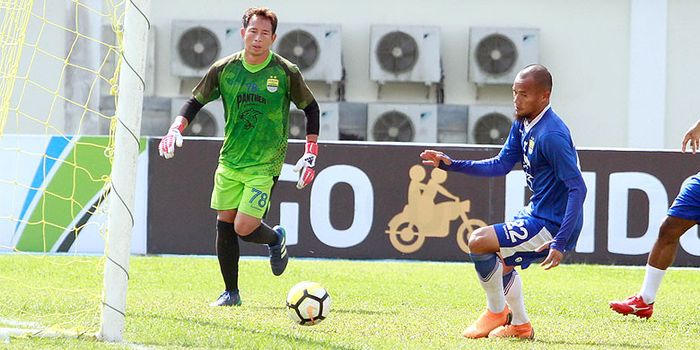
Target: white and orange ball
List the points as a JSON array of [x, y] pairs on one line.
[[308, 303]]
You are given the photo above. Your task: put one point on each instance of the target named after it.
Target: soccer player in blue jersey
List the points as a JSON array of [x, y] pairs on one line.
[[547, 227], [683, 214]]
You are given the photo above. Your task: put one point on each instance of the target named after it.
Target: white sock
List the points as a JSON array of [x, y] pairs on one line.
[[515, 299], [652, 281], [493, 285]]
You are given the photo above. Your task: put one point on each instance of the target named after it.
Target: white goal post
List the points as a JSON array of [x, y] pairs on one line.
[[123, 178]]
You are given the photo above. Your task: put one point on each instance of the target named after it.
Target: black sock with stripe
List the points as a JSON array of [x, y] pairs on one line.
[[263, 234], [228, 253]]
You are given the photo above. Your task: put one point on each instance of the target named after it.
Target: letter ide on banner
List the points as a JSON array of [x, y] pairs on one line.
[[619, 186]]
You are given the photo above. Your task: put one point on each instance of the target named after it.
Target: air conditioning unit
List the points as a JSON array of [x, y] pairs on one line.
[[496, 55], [209, 122], [490, 124], [314, 48], [402, 122], [328, 123], [452, 123], [405, 54], [195, 45]]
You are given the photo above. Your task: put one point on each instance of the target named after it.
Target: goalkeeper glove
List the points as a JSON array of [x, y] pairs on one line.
[[305, 165], [166, 148]]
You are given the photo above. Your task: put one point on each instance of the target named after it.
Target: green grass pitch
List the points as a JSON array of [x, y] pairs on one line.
[[376, 305]]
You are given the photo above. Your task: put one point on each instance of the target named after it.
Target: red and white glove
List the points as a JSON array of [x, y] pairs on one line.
[[166, 148], [305, 165]]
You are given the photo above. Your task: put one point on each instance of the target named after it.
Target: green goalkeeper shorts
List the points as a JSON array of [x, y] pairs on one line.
[[249, 194]]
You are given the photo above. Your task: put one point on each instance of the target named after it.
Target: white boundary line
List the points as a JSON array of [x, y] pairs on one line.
[[33, 329], [260, 257]]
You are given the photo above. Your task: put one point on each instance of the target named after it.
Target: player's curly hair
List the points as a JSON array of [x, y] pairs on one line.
[[260, 12]]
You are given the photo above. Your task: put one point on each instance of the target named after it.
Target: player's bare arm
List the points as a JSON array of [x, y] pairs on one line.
[[692, 136]]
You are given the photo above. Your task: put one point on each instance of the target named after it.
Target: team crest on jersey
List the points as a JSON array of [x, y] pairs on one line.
[[531, 145], [272, 83]]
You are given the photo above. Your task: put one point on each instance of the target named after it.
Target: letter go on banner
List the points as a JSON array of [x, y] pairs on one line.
[[321, 202]]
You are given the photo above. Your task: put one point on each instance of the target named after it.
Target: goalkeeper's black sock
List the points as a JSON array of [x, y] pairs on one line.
[[228, 252], [263, 234]]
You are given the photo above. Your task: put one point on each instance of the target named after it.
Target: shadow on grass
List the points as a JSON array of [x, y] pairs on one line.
[[297, 342], [333, 310], [248, 306], [667, 321], [359, 312], [593, 345]]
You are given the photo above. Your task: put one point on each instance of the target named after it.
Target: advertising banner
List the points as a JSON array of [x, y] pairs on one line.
[[376, 201], [52, 195]]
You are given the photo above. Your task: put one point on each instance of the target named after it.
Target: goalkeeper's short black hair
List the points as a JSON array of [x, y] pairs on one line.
[[260, 12]]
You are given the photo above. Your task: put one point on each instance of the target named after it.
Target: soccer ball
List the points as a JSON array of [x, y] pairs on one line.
[[308, 303]]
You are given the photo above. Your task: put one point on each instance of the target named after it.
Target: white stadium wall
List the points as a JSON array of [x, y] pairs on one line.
[[586, 45], [683, 71]]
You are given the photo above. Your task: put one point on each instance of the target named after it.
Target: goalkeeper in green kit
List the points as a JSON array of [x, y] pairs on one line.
[[256, 87]]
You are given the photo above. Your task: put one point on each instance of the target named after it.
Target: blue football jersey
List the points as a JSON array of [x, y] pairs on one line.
[[549, 158]]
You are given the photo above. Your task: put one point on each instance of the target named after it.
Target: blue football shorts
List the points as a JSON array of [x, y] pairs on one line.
[[687, 203], [519, 239]]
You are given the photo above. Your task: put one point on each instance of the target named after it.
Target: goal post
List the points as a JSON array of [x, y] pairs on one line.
[[68, 164], [123, 179]]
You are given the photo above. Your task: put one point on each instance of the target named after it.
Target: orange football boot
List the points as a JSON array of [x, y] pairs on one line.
[[522, 331], [487, 322]]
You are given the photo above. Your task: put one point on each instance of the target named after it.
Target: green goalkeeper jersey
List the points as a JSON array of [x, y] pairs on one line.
[[256, 108]]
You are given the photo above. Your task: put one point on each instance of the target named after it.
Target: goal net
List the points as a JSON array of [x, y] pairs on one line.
[[60, 60]]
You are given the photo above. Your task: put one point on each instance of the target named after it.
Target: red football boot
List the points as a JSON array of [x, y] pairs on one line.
[[634, 305]]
